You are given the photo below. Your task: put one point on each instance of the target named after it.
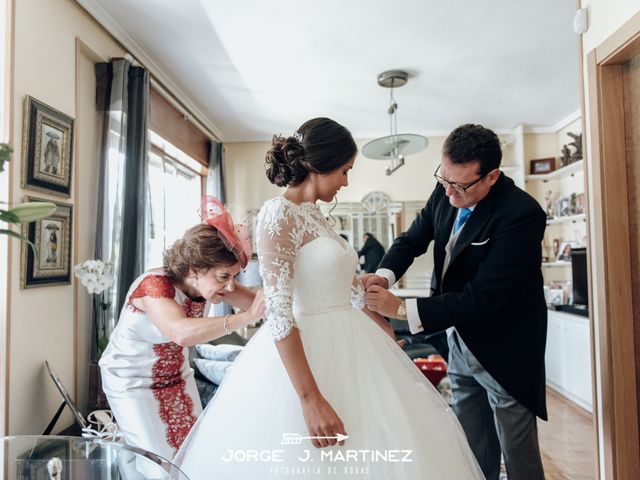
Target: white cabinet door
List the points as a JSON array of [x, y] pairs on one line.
[[568, 357], [576, 336], [553, 355]]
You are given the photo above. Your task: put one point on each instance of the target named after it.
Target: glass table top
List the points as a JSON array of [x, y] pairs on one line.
[[36, 457]]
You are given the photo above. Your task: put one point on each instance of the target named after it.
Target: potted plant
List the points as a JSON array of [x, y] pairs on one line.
[[97, 277]]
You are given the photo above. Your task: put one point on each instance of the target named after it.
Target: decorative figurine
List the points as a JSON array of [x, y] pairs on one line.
[[54, 467], [549, 204], [577, 144], [565, 159]]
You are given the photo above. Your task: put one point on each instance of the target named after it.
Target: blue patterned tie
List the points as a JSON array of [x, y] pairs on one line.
[[463, 216]]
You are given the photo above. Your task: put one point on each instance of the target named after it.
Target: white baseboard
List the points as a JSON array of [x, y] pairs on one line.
[[569, 396]]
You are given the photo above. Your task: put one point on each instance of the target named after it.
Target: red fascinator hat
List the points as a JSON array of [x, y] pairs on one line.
[[212, 212]]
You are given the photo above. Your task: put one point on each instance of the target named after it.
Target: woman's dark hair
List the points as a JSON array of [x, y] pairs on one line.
[[320, 145], [200, 248], [473, 143]]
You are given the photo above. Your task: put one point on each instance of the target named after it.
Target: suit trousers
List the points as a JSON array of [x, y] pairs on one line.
[[495, 423]]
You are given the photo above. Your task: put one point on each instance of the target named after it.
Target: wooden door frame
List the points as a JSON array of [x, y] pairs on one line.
[[618, 433]]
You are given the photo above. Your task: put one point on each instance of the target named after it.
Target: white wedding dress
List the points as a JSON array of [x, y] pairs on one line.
[[399, 427]]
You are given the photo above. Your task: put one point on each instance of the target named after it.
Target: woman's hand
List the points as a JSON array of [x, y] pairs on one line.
[[322, 421], [256, 310]]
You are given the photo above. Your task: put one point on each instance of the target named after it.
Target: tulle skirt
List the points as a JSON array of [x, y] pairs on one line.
[[399, 426]]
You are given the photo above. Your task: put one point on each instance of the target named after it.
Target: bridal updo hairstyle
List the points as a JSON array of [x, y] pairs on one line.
[[320, 145], [200, 248]]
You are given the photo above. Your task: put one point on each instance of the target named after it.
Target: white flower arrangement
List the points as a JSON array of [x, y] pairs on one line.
[[95, 275]]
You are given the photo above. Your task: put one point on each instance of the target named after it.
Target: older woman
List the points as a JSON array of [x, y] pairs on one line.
[[145, 370]]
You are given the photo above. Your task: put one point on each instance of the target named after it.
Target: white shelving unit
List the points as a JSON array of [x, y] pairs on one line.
[[513, 155], [581, 217], [568, 352], [556, 264], [560, 173]]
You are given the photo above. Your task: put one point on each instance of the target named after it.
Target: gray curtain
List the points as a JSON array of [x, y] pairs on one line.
[[215, 180], [216, 187], [122, 97]]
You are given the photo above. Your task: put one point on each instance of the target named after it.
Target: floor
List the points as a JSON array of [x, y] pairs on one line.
[[567, 441]]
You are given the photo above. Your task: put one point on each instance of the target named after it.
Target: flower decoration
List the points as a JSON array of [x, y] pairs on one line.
[[97, 276]]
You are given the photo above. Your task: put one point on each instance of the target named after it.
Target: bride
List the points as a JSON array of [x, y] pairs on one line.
[[323, 391]]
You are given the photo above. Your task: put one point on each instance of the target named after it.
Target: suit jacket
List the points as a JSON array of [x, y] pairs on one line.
[[492, 291], [373, 251]]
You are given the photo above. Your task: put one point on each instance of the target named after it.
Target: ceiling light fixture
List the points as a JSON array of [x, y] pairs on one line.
[[395, 146]]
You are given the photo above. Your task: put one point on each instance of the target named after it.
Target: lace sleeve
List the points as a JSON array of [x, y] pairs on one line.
[[357, 293], [278, 241], [156, 286]]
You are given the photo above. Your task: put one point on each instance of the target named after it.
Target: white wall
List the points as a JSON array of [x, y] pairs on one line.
[[51, 323], [5, 70], [248, 186]]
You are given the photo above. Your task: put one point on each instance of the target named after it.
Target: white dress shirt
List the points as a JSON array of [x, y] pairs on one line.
[[415, 325]]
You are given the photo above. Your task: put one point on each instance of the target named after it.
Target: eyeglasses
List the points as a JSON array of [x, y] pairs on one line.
[[458, 187]]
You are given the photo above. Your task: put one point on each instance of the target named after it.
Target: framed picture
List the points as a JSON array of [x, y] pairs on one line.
[[564, 253], [47, 147], [52, 237], [577, 203], [563, 206], [67, 398], [542, 165], [556, 296]]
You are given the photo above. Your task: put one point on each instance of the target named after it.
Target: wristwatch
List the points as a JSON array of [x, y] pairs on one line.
[[401, 314]]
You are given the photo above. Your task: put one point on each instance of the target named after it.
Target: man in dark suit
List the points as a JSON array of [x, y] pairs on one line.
[[372, 251], [487, 292]]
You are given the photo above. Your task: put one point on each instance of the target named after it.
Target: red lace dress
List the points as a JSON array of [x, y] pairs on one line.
[[146, 377]]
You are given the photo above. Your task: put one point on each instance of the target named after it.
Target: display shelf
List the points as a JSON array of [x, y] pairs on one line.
[[563, 172], [556, 264], [581, 217]]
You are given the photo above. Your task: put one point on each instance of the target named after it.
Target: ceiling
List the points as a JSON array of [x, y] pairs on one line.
[[253, 68]]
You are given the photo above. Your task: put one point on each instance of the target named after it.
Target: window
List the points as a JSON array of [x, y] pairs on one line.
[[175, 189]]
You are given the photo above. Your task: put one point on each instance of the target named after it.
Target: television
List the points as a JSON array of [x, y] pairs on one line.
[[580, 277]]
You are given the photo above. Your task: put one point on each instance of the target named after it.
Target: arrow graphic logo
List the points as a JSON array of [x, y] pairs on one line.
[[296, 438]]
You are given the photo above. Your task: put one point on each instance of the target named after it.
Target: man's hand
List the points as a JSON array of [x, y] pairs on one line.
[[370, 279], [382, 301]]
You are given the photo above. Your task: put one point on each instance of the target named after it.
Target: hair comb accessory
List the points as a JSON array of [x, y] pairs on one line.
[[213, 213], [298, 136]]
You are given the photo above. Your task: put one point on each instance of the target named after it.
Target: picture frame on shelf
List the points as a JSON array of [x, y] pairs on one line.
[[564, 253], [47, 149], [556, 247], [556, 296], [563, 206], [558, 293], [577, 203], [52, 237], [542, 165]]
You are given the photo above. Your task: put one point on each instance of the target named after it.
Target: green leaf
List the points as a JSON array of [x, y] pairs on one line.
[[13, 234], [102, 345], [21, 238], [8, 216], [32, 211]]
